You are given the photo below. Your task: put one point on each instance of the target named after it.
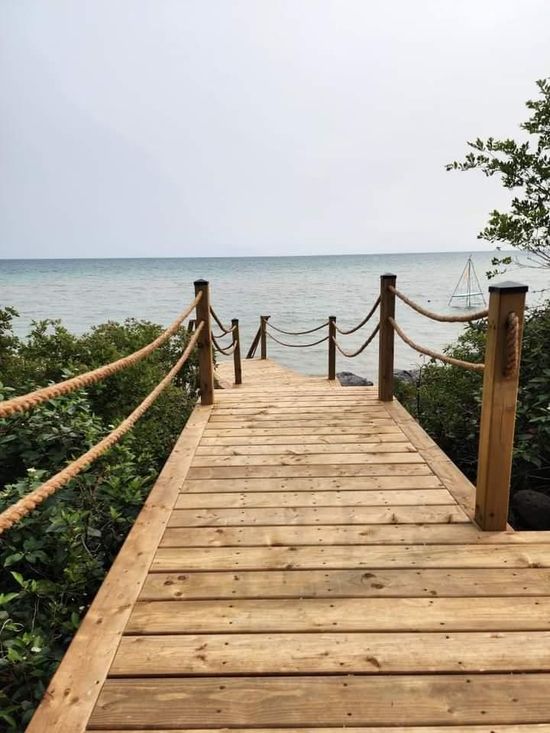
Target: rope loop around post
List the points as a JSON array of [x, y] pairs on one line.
[[511, 359], [468, 318]]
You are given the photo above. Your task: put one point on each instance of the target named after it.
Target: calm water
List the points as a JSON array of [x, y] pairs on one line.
[[298, 292]]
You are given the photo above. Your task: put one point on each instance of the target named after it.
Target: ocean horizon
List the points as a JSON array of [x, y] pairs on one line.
[[298, 292]]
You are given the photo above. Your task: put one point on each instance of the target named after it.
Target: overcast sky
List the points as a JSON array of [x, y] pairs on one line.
[[255, 127]]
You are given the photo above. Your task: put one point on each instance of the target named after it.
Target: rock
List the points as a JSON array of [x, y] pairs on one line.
[[532, 509], [407, 375], [349, 379]]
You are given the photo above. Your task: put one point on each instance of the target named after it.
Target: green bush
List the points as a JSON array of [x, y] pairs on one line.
[[446, 400], [53, 561]]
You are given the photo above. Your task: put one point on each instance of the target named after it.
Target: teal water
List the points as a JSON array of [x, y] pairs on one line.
[[298, 293]]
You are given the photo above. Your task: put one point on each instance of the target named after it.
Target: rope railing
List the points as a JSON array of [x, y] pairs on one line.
[[33, 499], [353, 354], [365, 320], [467, 318], [297, 333], [225, 330], [32, 399], [296, 346], [435, 354], [227, 350]]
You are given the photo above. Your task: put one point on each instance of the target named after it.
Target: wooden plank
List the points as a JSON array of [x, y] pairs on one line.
[[323, 440], [168, 559], [358, 534], [316, 515], [451, 476], [73, 690], [378, 446], [348, 614], [318, 459], [324, 701], [529, 728], [329, 470], [365, 428], [253, 414], [391, 583], [313, 498], [333, 653], [323, 483]]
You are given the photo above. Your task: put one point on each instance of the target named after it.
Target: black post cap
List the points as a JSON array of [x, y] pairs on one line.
[[200, 281], [508, 287]]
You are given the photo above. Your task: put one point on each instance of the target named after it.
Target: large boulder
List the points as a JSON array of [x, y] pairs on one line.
[[349, 379], [531, 509]]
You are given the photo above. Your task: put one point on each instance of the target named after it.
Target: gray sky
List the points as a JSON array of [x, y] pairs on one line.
[[248, 127]]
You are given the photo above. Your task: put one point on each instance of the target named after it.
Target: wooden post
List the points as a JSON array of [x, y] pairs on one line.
[[331, 347], [237, 352], [498, 408], [204, 344], [263, 336], [386, 338]]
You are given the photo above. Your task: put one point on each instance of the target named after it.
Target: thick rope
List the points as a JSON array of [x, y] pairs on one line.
[[228, 350], [32, 399], [296, 346], [297, 333], [225, 330], [438, 316], [435, 354], [222, 335], [511, 360], [351, 355], [365, 320], [28, 503]]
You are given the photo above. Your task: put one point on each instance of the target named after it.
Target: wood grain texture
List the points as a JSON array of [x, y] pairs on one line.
[[333, 653], [168, 559], [256, 499], [403, 583], [348, 614], [324, 700], [317, 515]]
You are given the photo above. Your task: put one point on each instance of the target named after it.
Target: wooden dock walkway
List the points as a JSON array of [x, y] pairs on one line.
[[308, 561]]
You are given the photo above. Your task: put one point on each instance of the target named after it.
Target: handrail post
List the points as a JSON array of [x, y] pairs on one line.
[[332, 348], [263, 336], [237, 352], [498, 407], [204, 344], [386, 338]]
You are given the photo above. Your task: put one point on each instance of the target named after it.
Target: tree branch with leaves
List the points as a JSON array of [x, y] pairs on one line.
[[524, 167]]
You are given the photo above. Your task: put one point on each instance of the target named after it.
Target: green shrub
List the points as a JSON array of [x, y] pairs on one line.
[[53, 561], [446, 400]]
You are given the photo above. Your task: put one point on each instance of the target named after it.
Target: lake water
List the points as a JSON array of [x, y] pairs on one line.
[[298, 293]]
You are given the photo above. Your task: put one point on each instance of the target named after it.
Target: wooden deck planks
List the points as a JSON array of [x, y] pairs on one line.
[[318, 570]]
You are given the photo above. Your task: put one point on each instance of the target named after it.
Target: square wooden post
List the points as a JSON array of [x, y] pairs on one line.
[[332, 348], [498, 410], [386, 338], [237, 352], [263, 336], [204, 344]]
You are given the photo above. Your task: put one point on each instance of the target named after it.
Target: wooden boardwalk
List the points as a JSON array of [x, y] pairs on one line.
[[307, 561]]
